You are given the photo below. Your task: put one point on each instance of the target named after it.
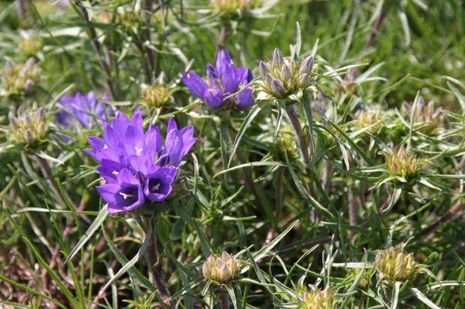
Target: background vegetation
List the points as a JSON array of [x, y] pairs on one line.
[[384, 170]]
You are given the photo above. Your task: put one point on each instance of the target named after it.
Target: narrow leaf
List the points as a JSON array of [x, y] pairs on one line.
[[90, 231]]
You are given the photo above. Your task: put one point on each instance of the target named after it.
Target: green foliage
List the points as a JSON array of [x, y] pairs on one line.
[[302, 190]]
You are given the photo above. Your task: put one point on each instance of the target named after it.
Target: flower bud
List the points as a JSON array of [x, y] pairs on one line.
[[30, 128], [30, 46], [104, 17], [20, 78], [231, 6], [278, 59], [426, 118], [156, 96], [129, 19], [278, 88], [306, 65], [369, 118], [286, 73], [365, 277], [286, 142], [395, 264], [318, 299], [282, 77], [403, 163], [220, 269], [263, 68], [350, 86]]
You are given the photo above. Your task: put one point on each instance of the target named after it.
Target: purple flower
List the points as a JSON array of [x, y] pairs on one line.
[[124, 195], [82, 110], [137, 166], [225, 85], [158, 185]]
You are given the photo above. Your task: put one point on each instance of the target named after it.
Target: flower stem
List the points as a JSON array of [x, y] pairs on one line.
[[81, 10], [224, 35], [292, 114], [224, 301], [20, 9], [152, 259]]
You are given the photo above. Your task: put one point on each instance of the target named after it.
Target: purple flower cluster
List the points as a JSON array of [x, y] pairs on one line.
[[137, 166], [82, 110], [225, 85]]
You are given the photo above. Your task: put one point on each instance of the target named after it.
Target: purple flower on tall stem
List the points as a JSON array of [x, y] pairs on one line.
[[225, 85], [137, 166], [82, 110]]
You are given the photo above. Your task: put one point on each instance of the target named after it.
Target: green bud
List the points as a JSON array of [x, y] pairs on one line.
[[369, 118], [129, 19], [426, 117], [232, 6], [365, 279], [104, 17], [30, 46], [20, 78], [220, 269], [30, 128], [156, 96], [286, 142], [403, 163], [318, 299], [395, 264], [350, 86]]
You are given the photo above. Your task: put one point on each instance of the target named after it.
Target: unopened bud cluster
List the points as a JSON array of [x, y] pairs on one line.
[[282, 77], [364, 278], [395, 264], [286, 142], [128, 18], [30, 46], [104, 17], [403, 163], [229, 6], [318, 299], [369, 118], [220, 268], [30, 128], [157, 95], [20, 78], [350, 86], [425, 115]]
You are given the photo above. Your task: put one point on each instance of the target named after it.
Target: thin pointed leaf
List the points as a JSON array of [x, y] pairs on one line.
[[103, 213], [245, 124]]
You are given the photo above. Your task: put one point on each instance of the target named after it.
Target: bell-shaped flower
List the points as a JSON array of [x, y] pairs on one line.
[[82, 110], [225, 85], [136, 161], [125, 194]]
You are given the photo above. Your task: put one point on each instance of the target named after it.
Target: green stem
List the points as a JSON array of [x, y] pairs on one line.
[[261, 199], [152, 259], [292, 114], [81, 10]]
